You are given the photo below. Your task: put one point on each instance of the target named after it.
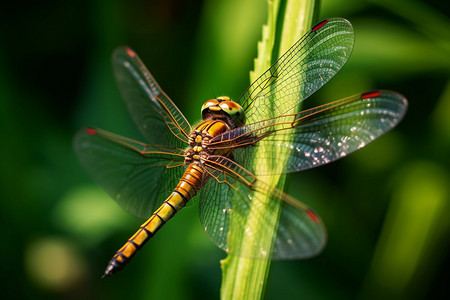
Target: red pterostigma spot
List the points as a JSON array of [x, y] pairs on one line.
[[319, 25], [312, 216], [130, 52], [91, 131], [371, 94]]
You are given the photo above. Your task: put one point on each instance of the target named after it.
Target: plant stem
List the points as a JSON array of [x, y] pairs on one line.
[[246, 278]]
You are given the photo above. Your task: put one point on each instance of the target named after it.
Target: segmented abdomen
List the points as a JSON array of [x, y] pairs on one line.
[[187, 188]]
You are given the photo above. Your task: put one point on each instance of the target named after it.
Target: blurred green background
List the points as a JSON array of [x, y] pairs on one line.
[[386, 206]]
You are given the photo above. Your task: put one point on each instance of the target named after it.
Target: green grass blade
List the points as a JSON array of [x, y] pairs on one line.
[[245, 278]]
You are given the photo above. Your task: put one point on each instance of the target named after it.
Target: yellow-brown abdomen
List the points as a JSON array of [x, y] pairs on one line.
[[187, 188]]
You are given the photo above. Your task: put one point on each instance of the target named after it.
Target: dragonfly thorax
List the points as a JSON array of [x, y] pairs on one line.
[[225, 109], [199, 141]]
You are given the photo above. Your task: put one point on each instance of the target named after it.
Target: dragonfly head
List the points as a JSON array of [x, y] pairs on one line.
[[225, 109]]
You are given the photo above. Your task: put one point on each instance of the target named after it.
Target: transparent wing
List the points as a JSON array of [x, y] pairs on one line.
[[315, 136], [228, 200], [156, 116], [137, 176], [303, 69]]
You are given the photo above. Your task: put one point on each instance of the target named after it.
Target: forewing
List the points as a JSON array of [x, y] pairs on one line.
[[137, 176], [303, 69], [233, 199], [316, 136], [156, 116]]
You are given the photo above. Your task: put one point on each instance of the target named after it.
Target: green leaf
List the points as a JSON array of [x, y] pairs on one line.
[[246, 278]]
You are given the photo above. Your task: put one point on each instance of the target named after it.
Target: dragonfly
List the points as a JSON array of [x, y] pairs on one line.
[[226, 158]]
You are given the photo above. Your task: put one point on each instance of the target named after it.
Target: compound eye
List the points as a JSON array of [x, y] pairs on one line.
[[225, 107], [234, 110], [223, 98], [209, 103]]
